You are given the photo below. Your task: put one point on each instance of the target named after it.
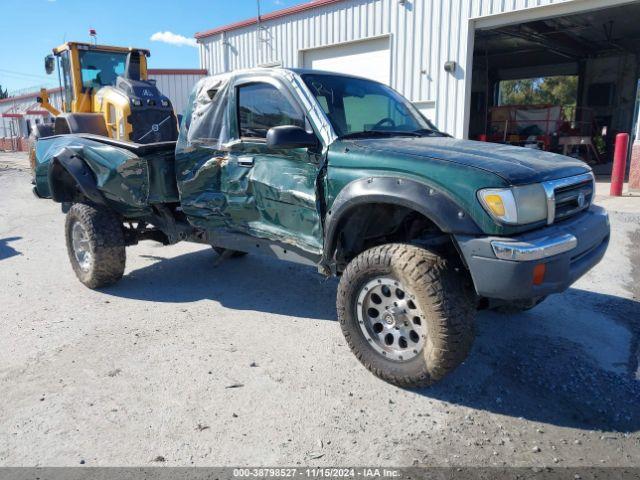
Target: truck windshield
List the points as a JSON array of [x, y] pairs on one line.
[[358, 108], [99, 69]]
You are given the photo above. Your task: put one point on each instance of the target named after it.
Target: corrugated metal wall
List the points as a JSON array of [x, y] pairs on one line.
[[176, 86], [424, 35]]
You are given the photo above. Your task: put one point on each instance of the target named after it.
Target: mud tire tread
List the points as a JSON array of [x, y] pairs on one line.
[[106, 238], [442, 294]]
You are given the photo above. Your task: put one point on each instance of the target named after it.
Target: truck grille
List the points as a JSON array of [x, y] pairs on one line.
[[573, 198], [568, 196]]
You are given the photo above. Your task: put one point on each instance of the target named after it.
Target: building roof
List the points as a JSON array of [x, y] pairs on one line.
[[19, 110], [26, 96], [269, 16]]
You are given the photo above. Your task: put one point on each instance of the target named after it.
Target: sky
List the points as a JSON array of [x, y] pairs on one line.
[[29, 29]]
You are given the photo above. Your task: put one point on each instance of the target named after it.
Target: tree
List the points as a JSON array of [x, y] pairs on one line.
[[3, 93], [560, 90]]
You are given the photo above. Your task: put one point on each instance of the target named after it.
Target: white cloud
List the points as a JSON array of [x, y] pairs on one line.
[[174, 39]]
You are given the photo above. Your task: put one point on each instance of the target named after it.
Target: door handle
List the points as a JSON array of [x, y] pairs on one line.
[[245, 161]]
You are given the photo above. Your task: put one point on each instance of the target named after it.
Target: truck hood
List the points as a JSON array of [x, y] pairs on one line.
[[516, 165]]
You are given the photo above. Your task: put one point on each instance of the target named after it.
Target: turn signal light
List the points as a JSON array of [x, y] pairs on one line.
[[495, 204], [538, 273]]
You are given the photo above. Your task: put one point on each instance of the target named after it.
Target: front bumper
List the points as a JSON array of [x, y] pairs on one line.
[[503, 267]]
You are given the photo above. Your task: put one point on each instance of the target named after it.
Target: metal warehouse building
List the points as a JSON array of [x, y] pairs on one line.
[[448, 56], [18, 114]]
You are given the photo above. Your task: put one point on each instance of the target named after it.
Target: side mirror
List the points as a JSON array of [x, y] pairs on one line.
[[290, 136], [49, 64]]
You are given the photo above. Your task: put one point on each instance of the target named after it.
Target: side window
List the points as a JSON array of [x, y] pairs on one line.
[[262, 106], [65, 66]]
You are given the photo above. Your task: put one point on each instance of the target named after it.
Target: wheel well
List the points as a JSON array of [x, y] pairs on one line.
[[64, 188], [366, 226]]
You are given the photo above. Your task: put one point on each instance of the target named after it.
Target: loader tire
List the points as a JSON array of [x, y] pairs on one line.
[[95, 244], [406, 313]]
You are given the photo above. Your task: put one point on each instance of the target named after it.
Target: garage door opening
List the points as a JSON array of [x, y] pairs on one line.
[[565, 84]]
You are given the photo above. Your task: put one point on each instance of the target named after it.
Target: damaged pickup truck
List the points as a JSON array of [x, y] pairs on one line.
[[344, 174]]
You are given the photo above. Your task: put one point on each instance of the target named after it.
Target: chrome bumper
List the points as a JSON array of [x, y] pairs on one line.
[[534, 249], [503, 267]]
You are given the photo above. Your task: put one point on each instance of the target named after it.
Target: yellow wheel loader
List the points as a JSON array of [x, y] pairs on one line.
[[106, 92]]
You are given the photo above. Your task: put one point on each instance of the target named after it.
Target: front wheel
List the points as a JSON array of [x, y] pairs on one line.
[[95, 244], [406, 314]]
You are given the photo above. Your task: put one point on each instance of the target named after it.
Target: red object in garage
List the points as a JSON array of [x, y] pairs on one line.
[[619, 164]]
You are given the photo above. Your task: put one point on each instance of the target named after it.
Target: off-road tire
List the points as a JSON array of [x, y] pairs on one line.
[[235, 254], [441, 289], [517, 306], [106, 242]]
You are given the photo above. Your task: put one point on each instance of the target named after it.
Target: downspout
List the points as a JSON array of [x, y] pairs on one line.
[[258, 36], [225, 52]]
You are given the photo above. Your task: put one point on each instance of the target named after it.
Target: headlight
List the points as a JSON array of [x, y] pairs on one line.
[[516, 205]]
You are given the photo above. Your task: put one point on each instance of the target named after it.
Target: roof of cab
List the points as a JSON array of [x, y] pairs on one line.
[[278, 70]]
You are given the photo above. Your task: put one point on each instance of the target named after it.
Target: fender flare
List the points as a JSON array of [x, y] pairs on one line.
[[429, 201], [68, 162]]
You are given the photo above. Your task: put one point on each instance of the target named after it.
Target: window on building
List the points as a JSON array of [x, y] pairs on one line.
[[262, 106]]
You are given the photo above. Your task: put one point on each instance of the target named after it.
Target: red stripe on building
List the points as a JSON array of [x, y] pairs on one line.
[[29, 95], [12, 115], [269, 16], [37, 112]]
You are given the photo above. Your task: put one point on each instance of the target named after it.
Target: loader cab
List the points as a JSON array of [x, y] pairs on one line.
[[111, 82], [85, 68]]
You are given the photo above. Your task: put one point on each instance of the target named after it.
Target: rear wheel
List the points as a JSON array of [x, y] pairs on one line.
[[406, 314], [95, 244]]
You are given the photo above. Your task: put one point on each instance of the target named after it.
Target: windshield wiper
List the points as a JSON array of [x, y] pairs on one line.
[[381, 133], [428, 131]]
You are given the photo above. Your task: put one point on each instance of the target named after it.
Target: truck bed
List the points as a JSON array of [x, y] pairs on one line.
[[140, 149], [137, 175]]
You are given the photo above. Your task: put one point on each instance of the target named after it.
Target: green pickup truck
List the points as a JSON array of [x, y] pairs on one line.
[[344, 174]]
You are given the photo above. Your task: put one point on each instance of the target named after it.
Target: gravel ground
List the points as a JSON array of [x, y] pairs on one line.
[[188, 363]]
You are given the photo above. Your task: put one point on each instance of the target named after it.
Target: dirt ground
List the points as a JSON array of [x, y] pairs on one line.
[[188, 363]]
